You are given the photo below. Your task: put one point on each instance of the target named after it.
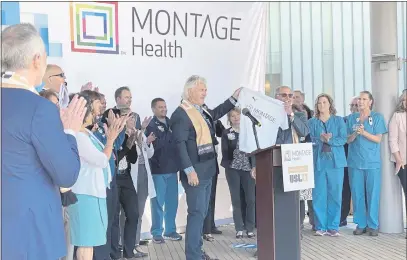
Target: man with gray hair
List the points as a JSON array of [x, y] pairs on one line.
[[193, 133], [39, 152]]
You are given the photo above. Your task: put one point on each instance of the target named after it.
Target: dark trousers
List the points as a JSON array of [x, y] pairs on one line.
[[128, 200], [346, 197], [209, 222], [236, 179], [310, 212], [103, 252], [243, 206], [197, 201], [403, 180]]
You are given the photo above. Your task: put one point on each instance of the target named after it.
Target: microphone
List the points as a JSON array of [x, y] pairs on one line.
[[247, 113]]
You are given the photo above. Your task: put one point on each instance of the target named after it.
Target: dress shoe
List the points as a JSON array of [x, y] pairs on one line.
[[216, 231], [206, 257]]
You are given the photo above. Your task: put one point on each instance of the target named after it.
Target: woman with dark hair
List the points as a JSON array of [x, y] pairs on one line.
[[328, 134], [397, 141], [88, 217], [51, 96], [365, 130], [238, 166]]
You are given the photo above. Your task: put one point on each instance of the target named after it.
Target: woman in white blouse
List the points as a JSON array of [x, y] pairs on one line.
[[141, 177], [397, 141], [88, 217]]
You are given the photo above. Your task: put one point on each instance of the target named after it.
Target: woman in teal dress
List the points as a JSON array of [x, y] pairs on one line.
[[88, 217]]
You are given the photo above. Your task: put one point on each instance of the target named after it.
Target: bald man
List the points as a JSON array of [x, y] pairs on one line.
[[54, 80]]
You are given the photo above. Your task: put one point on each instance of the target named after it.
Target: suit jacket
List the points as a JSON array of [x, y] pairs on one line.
[[300, 124], [184, 136], [37, 159]]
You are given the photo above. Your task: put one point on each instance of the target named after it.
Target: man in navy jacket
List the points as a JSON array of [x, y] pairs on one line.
[[164, 171], [192, 123]]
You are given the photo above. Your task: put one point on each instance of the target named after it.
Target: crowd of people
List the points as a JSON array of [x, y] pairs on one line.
[[69, 161]]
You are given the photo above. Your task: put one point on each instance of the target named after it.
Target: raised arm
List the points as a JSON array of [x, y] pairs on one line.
[[300, 124], [221, 110], [58, 151]]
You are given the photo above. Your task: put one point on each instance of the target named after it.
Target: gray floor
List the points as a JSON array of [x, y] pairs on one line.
[[348, 246]]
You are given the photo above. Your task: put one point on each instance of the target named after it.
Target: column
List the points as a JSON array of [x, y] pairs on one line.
[[383, 31]]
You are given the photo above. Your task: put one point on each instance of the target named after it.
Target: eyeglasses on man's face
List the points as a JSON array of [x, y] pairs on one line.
[[61, 75], [284, 95]]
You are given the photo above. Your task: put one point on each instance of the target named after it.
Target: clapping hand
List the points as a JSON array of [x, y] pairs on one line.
[[325, 137], [72, 116], [151, 138], [146, 122], [115, 128], [361, 130]]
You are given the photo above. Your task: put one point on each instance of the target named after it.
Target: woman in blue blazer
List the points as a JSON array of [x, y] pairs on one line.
[[328, 134]]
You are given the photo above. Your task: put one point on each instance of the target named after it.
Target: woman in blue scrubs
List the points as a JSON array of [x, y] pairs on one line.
[[328, 133], [365, 130]]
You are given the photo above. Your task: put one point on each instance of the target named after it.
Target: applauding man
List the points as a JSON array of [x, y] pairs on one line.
[[39, 151]]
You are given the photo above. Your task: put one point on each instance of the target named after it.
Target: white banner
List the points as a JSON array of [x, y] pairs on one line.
[[153, 48], [298, 166]]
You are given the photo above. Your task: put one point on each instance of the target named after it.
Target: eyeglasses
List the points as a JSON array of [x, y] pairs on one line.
[[284, 95], [62, 75], [353, 105]]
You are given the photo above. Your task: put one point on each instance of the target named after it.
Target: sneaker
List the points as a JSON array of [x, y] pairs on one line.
[[139, 252], [173, 237], [239, 234], [333, 233], [320, 233], [373, 232], [250, 235], [158, 240], [359, 231]]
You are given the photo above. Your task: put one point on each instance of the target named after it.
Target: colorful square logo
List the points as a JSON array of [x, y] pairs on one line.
[[94, 27]]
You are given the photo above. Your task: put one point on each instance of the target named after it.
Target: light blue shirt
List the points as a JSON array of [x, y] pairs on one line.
[[336, 126], [362, 153]]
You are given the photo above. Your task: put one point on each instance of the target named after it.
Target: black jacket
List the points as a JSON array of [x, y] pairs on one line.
[[229, 146], [184, 135], [164, 158]]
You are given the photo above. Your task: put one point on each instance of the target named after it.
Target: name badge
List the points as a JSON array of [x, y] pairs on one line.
[[161, 128], [231, 136]]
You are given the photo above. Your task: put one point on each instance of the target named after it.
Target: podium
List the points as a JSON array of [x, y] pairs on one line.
[[278, 212]]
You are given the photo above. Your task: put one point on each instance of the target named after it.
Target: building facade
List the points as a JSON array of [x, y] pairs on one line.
[[325, 47]]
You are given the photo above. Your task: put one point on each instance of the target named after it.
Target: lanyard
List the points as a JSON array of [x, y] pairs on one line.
[[13, 80]]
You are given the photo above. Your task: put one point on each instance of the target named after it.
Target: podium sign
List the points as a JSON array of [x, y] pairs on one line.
[[298, 166]]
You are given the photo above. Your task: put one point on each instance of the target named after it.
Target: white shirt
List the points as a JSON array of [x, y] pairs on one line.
[[91, 180], [268, 111]]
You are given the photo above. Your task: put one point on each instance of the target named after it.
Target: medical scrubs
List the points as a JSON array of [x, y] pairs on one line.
[[329, 163], [364, 164]]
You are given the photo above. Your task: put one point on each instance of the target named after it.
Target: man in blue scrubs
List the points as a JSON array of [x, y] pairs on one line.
[[365, 130]]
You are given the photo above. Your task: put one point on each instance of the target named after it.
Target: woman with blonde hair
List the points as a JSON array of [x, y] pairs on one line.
[[397, 141], [238, 166], [328, 134]]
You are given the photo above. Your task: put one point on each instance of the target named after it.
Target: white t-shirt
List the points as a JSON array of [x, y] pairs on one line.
[[268, 111]]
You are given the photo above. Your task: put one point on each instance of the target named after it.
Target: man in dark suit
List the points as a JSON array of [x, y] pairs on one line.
[[297, 121], [192, 127]]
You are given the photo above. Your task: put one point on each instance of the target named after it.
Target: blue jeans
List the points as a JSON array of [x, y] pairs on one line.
[[164, 206]]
